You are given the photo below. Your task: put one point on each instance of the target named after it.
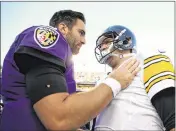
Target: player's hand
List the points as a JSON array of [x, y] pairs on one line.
[[126, 72]]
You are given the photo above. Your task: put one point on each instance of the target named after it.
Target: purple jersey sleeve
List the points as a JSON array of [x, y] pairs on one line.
[[39, 40], [48, 44]]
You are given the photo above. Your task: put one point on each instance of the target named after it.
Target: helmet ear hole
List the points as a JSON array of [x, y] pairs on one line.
[[125, 42]]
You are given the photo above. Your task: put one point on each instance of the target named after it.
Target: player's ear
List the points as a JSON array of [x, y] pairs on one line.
[[63, 28]]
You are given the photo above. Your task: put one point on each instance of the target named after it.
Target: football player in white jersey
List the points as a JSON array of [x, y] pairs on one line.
[[115, 46]]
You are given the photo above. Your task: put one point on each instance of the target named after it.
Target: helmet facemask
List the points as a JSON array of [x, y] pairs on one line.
[[104, 47]]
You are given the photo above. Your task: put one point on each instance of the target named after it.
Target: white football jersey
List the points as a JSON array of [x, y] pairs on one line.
[[131, 109]]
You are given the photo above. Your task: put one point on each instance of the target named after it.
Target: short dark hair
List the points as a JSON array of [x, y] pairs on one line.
[[68, 17]]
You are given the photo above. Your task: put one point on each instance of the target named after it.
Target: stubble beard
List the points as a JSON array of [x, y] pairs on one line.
[[71, 41]]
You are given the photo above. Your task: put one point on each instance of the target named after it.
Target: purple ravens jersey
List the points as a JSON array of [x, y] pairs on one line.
[[18, 113]]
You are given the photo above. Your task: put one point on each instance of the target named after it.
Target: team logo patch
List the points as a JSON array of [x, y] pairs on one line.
[[46, 36]]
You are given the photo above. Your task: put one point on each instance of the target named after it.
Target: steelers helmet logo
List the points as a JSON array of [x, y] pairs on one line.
[[46, 36]]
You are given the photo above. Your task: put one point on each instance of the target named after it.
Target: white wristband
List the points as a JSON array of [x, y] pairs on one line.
[[113, 84]]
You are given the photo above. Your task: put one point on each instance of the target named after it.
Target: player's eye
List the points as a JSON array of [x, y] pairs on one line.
[[82, 33], [103, 47], [107, 43]]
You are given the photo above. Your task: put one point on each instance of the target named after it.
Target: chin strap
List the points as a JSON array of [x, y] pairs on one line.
[[123, 55]]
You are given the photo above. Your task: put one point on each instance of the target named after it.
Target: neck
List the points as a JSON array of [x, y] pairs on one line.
[[121, 60]]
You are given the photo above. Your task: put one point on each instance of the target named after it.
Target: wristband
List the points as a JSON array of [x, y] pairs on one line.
[[113, 84]]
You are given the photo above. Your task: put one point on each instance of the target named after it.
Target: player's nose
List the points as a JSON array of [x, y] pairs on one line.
[[83, 40]]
